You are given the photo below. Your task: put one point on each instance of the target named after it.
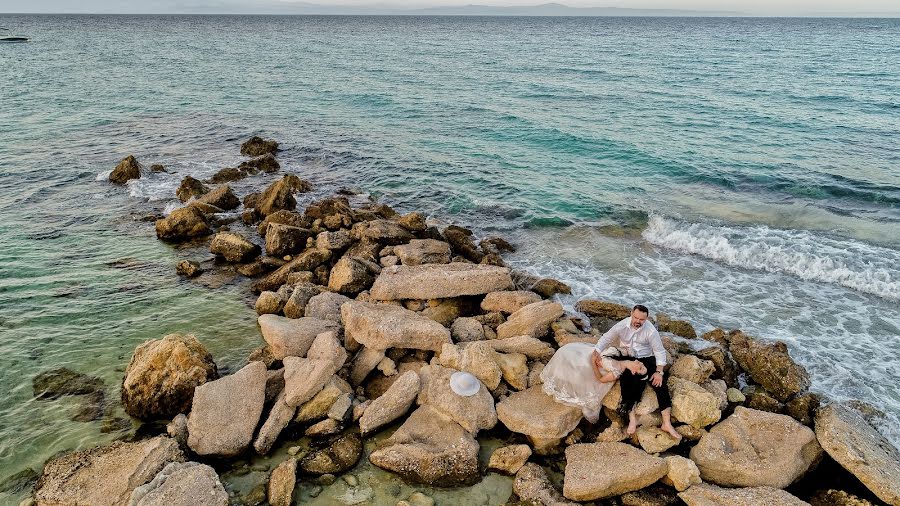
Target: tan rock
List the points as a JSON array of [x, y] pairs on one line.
[[439, 281], [282, 483], [162, 374], [305, 377], [104, 475], [509, 459], [430, 448], [467, 330], [336, 240], [383, 326], [292, 336], [682, 473], [325, 306], [365, 361], [654, 440], [711, 495], [317, 407], [600, 309], [692, 404], [327, 347], [182, 484], [860, 449], [548, 287], [754, 449], [225, 412], [692, 369], [508, 301], [514, 367], [182, 224], [270, 302], [599, 470], [309, 260], [127, 169], [473, 413], [479, 359], [534, 413], [279, 416], [770, 365], [349, 276], [529, 346], [284, 239], [423, 251], [690, 433], [533, 485], [233, 247], [532, 320], [391, 405]]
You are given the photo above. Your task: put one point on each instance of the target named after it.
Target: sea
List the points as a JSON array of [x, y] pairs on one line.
[[741, 173]]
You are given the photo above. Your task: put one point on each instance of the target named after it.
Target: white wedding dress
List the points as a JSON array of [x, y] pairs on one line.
[[569, 378]]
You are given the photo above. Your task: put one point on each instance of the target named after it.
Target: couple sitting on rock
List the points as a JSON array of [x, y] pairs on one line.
[[581, 375]]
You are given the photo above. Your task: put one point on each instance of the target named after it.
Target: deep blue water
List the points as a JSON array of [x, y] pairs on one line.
[[753, 163]]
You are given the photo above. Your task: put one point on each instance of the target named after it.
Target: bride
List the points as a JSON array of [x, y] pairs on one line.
[[579, 376]]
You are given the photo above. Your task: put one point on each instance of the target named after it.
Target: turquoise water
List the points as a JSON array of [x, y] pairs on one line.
[[753, 163]]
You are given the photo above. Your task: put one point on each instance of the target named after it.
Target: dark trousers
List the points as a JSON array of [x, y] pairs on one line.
[[633, 386]]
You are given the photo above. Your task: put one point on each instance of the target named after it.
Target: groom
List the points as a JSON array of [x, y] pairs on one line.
[[640, 339]]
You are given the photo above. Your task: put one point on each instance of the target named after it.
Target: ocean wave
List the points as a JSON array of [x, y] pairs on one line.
[[812, 257]]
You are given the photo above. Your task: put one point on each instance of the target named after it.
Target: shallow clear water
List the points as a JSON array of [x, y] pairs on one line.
[[753, 164]]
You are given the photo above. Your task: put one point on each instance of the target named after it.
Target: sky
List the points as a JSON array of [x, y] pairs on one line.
[[751, 7]]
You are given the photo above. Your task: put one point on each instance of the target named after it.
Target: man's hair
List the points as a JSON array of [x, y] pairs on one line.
[[642, 308]]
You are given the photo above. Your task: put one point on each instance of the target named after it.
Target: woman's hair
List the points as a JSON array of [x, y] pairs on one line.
[[632, 387]]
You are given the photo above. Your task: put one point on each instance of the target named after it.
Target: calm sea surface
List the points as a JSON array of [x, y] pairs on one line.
[[742, 173]]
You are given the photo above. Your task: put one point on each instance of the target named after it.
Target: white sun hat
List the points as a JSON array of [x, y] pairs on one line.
[[464, 384]]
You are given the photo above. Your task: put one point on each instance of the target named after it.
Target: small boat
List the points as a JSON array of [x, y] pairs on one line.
[[12, 38]]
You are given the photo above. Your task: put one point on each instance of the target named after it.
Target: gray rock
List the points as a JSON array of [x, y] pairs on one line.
[[473, 413], [326, 306], [600, 470], [383, 326], [711, 495], [292, 336], [392, 404], [279, 416], [423, 251], [225, 412], [439, 281], [182, 484]]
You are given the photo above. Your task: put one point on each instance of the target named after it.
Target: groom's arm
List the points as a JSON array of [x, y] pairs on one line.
[[606, 340]]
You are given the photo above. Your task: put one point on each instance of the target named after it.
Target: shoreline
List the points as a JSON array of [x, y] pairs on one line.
[[367, 264]]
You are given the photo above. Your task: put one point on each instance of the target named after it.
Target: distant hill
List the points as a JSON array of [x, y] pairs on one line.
[[557, 9]]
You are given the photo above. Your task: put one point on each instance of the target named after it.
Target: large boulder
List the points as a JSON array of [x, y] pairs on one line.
[[126, 170], [190, 188], [534, 413], [508, 301], [423, 251], [534, 486], [430, 448], [601, 309], [473, 413], [221, 197], [279, 196], [479, 359], [860, 449], [257, 146], [284, 240], [104, 475], [711, 495], [770, 365], [392, 404], [182, 484], [532, 320], [233, 247], [305, 377], [756, 449], [383, 326], [439, 281], [162, 374], [349, 276], [693, 404], [182, 224], [326, 306], [292, 336], [600, 470], [225, 412], [381, 231], [306, 261], [531, 347]]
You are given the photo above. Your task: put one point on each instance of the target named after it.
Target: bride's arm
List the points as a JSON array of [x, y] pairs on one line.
[[598, 370]]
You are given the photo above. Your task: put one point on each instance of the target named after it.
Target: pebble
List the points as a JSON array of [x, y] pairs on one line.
[[315, 491], [27, 502], [294, 450], [350, 480], [325, 479], [420, 499]]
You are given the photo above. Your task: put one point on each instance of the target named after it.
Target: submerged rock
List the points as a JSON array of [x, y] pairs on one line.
[[182, 484], [533, 486], [266, 163], [439, 281], [334, 456], [126, 170], [104, 475], [257, 146], [162, 374], [188, 268], [63, 381], [754, 449], [430, 448]]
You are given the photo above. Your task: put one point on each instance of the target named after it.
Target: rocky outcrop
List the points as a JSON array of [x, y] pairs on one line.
[[509, 459], [392, 404], [105, 475], [257, 146], [182, 224], [599, 470], [430, 448], [532, 320], [126, 170], [860, 449], [233, 247], [190, 188], [182, 484], [292, 336], [533, 486], [439, 281], [508, 301], [383, 326], [534, 413], [162, 374], [756, 449], [225, 412], [473, 413], [423, 251], [711, 495], [770, 365]]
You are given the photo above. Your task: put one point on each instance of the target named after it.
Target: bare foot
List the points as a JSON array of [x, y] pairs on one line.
[[632, 426], [668, 429]]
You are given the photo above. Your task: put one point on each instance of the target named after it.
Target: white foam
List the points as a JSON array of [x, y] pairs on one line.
[[860, 266], [103, 175]]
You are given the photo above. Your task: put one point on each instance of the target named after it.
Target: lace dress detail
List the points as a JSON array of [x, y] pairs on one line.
[[569, 378]]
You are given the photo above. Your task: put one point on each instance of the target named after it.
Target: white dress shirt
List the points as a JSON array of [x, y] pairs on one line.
[[640, 343]]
